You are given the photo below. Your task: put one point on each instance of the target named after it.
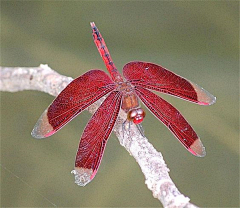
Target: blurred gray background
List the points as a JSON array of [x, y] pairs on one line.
[[197, 40]]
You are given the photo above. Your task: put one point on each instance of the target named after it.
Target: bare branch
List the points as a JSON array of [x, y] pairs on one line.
[[41, 78], [154, 168]]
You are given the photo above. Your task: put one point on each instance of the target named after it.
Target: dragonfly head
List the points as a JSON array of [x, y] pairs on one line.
[[136, 115]]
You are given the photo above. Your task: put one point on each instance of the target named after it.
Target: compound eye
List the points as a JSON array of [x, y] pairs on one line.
[[136, 115]]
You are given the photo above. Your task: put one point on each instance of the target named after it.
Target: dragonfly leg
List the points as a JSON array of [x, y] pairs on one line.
[[141, 130], [124, 129], [127, 131]]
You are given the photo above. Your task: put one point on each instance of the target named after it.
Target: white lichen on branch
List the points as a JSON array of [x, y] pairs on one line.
[[42, 78], [154, 168]]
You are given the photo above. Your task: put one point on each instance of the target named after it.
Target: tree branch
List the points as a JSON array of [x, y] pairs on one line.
[[154, 168]]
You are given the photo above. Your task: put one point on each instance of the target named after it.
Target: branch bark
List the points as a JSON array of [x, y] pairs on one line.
[[154, 168]]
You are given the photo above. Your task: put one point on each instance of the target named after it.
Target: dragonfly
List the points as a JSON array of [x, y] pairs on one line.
[[122, 92]]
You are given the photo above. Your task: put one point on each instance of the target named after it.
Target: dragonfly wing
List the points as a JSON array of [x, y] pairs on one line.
[[173, 120], [77, 96], [155, 77], [94, 139]]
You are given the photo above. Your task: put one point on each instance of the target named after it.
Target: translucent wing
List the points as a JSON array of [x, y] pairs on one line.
[[157, 78], [78, 95], [173, 120], [94, 139]]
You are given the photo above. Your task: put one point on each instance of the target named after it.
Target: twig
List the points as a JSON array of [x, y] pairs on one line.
[[154, 168]]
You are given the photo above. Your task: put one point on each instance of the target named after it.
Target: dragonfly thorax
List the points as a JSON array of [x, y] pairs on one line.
[[136, 115], [130, 103], [129, 97]]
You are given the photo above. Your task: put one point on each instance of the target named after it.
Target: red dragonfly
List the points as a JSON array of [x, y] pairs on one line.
[[122, 92]]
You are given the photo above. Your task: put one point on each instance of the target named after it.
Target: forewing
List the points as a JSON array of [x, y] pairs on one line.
[[94, 139], [78, 95], [157, 78], [173, 120]]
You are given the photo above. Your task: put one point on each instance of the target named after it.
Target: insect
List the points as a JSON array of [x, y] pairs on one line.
[[122, 92]]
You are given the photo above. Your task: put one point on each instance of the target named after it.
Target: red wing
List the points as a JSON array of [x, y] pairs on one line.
[[94, 139], [78, 95], [173, 119], [157, 78]]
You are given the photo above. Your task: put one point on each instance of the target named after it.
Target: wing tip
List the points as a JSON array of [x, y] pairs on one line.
[[36, 133], [42, 128], [197, 148], [83, 175], [203, 96]]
